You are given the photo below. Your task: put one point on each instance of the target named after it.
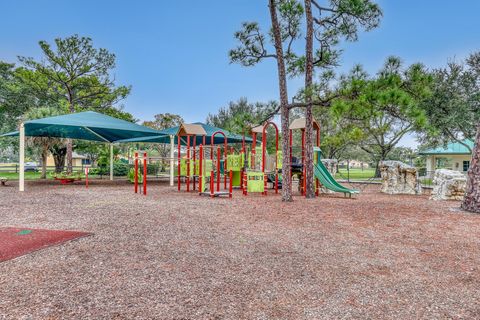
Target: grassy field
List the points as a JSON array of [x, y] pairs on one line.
[[356, 174], [14, 176], [36, 176]]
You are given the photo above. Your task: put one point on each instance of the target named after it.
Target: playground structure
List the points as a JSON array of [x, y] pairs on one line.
[[144, 158], [299, 167], [321, 174], [255, 180], [209, 166], [195, 168]]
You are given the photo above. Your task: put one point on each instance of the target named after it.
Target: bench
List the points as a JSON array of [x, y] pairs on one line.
[[3, 181]]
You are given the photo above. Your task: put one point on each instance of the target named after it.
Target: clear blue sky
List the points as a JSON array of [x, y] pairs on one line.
[[175, 53]]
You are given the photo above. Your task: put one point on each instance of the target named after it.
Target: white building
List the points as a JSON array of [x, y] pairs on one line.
[[455, 156]]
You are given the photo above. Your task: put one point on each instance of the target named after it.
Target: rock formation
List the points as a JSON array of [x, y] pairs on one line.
[[448, 185], [398, 178]]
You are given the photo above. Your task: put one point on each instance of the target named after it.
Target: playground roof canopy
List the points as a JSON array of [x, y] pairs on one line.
[[301, 123], [88, 125], [209, 130], [450, 149]]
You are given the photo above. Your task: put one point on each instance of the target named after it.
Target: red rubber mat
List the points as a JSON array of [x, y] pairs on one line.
[[16, 242]]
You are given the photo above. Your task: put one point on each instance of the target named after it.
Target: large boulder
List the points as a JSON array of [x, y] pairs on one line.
[[398, 178], [448, 185]]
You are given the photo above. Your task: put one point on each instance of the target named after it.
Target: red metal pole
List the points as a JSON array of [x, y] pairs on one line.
[[231, 187], [135, 179], [188, 163], [218, 168], [254, 146], [264, 148], [212, 187], [179, 161], [145, 173], [225, 165], [318, 145], [194, 162], [200, 169]]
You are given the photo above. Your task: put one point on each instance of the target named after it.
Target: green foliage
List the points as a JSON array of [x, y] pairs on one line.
[[131, 176], [386, 107], [78, 74], [239, 117], [453, 110], [164, 121]]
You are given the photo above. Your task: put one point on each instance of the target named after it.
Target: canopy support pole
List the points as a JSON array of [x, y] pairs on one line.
[[21, 182], [111, 161], [172, 153]]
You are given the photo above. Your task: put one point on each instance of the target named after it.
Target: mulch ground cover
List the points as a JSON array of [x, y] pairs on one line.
[[176, 255]]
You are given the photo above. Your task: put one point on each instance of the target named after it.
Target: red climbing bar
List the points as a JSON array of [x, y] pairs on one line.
[[135, 179], [179, 160], [230, 190], [188, 163], [212, 186], [200, 169], [194, 162], [145, 173], [219, 151]]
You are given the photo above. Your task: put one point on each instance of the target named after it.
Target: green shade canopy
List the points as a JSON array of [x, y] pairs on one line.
[[87, 125], [450, 149], [219, 139]]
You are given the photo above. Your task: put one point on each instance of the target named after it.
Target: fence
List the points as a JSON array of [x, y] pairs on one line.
[[16, 168]]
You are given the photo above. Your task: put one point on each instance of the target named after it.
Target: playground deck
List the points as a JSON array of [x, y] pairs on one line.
[[172, 255]]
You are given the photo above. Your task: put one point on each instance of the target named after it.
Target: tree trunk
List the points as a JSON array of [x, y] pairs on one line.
[[44, 162], [59, 158], [285, 116], [471, 202], [69, 156], [310, 190]]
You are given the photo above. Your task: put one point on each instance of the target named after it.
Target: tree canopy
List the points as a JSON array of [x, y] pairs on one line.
[[385, 107], [453, 109]]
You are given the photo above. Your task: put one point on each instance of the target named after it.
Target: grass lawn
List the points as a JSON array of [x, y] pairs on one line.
[[35, 175], [356, 174], [14, 176]]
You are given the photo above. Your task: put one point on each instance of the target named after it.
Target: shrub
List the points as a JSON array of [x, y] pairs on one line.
[[131, 176]]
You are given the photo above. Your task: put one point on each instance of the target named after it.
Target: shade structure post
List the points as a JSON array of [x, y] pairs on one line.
[[172, 154], [21, 183], [111, 161]]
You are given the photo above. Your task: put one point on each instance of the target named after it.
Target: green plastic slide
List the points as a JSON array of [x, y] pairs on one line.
[[326, 179]]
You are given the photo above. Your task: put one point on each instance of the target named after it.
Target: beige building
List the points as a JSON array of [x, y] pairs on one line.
[[354, 164], [455, 156], [78, 160]]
